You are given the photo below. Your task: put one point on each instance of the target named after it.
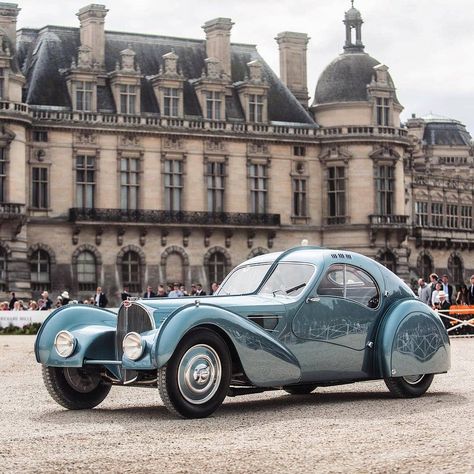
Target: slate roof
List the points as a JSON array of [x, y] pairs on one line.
[[445, 132], [346, 78], [42, 53]]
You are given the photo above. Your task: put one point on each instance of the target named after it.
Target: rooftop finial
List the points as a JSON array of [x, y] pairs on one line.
[[352, 3]]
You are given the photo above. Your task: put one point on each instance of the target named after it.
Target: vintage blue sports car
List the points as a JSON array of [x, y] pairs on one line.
[[291, 320]]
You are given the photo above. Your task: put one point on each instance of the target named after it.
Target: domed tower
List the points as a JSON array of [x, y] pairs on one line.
[[363, 146]]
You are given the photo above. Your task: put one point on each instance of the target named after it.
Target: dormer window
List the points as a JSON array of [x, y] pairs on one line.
[[171, 102], [255, 108], [213, 105], [128, 99], [84, 96], [383, 111]]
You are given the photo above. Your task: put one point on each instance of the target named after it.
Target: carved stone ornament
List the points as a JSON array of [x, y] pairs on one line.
[[171, 64], [214, 145], [85, 138], [84, 57], [213, 68], [173, 143], [127, 57], [129, 140], [257, 148], [255, 70]]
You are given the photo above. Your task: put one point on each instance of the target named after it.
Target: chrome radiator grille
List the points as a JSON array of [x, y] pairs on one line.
[[133, 318]]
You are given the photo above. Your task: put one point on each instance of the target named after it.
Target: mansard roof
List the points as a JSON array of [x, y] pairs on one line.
[[444, 131], [43, 53]]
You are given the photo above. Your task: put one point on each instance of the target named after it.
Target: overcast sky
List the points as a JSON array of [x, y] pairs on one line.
[[427, 44]]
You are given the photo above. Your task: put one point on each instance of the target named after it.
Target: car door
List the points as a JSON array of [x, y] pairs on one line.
[[334, 326]]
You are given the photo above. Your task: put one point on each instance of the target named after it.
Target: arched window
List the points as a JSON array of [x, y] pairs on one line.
[[456, 269], [86, 271], [216, 267], [40, 271], [3, 270], [387, 259], [425, 267], [174, 268], [131, 271]]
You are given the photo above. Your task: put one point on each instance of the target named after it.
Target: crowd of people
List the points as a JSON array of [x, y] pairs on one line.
[[440, 295], [100, 299]]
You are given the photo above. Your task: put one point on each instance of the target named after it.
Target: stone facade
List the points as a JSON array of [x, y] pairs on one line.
[[146, 160]]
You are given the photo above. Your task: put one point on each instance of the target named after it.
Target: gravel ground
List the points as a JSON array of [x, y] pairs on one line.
[[352, 428]]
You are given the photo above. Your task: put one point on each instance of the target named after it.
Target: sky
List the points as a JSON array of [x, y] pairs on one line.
[[427, 44]]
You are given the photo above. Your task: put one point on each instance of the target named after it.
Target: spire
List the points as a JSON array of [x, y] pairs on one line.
[[353, 21]]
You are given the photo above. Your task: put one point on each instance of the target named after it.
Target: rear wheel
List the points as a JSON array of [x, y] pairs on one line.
[[411, 386], [300, 389], [75, 388], [196, 379]]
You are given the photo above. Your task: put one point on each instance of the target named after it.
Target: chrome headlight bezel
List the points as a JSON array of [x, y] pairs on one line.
[[133, 346], [69, 344]]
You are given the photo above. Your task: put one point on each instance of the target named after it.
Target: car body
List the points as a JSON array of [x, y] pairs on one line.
[[297, 319]]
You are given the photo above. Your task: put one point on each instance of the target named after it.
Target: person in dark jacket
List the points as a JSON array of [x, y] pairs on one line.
[[471, 291], [100, 299], [125, 294], [149, 293], [11, 305], [444, 306]]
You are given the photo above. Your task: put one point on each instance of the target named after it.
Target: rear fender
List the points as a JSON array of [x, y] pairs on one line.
[[264, 359], [412, 340], [94, 329]]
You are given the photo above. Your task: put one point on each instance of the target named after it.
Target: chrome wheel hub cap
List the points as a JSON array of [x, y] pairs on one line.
[[413, 379], [199, 374]]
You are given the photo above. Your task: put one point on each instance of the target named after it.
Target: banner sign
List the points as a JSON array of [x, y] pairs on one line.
[[22, 318]]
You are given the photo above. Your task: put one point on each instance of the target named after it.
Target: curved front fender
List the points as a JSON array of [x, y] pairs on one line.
[[265, 360], [93, 328], [412, 340]]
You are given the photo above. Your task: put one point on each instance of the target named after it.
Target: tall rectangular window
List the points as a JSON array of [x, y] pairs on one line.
[[384, 187], [255, 108], [299, 197], [128, 99], [421, 213], [383, 111], [3, 175], [173, 184], [336, 195], [85, 181], [452, 216], [129, 182], [39, 188], [215, 186], [2, 83], [171, 102], [437, 216], [84, 96], [466, 217], [213, 105], [258, 188]]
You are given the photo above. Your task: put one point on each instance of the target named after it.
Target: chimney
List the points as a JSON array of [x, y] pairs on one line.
[[293, 71], [8, 14], [92, 30], [218, 41]]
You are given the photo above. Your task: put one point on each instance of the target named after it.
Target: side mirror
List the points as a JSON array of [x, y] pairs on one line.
[[313, 299]]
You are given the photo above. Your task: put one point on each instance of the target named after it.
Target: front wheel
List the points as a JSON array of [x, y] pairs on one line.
[[75, 388], [411, 386], [196, 379]]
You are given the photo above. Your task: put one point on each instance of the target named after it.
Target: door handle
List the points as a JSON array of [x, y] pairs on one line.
[[312, 299]]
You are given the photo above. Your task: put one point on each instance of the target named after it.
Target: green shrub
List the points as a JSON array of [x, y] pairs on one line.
[[32, 328]]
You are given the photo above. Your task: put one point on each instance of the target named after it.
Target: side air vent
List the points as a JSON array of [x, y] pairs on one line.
[[267, 322]]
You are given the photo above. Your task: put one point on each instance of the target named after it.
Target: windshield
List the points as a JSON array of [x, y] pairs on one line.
[[244, 280], [288, 279]]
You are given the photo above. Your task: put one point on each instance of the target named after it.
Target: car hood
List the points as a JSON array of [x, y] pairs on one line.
[[243, 305]]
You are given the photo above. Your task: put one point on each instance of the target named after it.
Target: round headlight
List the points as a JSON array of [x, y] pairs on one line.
[[64, 343], [133, 346]]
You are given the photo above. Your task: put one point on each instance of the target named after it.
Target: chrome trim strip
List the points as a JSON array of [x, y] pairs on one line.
[[102, 362]]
